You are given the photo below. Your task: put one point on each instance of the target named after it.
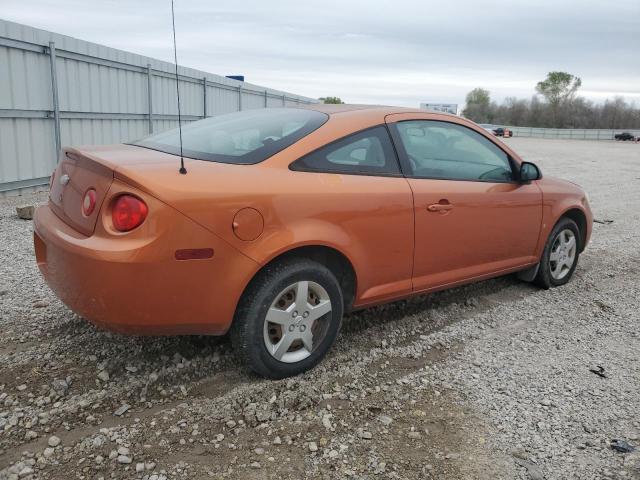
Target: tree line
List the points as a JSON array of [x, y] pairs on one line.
[[556, 105]]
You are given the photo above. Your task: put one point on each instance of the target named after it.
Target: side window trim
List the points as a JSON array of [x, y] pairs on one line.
[[297, 165], [405, 166]]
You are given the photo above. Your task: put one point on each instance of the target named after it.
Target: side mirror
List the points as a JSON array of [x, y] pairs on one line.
[[529, 172]]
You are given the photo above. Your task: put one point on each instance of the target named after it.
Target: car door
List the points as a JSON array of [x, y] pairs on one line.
[[472, 218]]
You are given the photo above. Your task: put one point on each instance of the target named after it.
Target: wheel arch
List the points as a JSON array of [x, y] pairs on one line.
[[580, 218], [335, 260]]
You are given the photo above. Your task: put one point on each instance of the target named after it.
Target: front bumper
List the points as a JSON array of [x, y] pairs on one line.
[[134, 284]]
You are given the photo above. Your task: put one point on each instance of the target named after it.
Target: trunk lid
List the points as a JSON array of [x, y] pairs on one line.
[[74, 176], [95, 166]]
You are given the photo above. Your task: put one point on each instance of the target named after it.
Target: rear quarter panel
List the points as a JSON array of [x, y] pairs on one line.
[[368, 219]]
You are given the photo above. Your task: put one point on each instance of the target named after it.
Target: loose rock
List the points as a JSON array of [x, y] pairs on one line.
[[53, 441]]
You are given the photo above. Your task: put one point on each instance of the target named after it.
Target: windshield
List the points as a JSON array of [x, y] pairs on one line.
[[246, 137]]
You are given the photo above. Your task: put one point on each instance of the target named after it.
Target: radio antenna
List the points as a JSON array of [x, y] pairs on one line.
[[175, 58]]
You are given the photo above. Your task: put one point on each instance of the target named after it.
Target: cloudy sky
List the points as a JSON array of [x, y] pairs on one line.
[[399, 52]]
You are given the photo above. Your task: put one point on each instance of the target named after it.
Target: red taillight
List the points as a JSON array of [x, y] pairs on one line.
[[128, 212], [89, 202]]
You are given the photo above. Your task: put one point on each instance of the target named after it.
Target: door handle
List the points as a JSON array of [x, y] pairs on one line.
[[440, 207]]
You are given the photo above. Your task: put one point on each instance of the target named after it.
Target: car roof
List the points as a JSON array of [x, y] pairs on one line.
[[364, 110]]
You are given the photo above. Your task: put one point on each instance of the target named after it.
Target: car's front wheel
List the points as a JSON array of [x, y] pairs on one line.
[[288, 318], [560, 255]]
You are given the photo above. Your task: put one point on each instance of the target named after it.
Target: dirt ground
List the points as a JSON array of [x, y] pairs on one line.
[[497, 380]]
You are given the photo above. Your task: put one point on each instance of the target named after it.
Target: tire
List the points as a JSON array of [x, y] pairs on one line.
[[554, 269], [277, 294]]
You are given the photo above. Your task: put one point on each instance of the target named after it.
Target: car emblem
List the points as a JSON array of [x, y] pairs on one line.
[[64, 179]]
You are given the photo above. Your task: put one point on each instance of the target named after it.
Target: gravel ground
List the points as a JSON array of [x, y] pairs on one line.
[[491, 380]]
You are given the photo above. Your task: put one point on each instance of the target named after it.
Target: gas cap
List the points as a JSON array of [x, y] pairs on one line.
[[248, 224]]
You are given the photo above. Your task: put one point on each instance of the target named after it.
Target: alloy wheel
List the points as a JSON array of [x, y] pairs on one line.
[[297, 321], [563, 254]]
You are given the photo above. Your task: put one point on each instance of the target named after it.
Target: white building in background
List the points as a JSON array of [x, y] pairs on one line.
[[441, 107]]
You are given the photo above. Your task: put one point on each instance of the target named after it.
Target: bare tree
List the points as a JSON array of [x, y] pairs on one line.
[[562, 108], [333, 100], [478, 107], [559, 88]]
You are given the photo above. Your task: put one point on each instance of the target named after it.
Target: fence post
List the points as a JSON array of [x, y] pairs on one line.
[[54, 93], [150, 97], [239, 98], [204, 97], [284, 99], [266, 99]]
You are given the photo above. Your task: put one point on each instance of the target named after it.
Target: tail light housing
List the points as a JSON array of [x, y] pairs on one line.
[[128, 212]]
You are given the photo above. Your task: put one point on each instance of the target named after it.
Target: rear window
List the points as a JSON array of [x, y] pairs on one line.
[[246, 137]]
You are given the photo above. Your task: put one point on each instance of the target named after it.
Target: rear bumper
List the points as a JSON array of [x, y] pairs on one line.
[[135, 285]]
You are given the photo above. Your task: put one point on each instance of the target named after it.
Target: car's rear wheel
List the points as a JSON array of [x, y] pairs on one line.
[[560, 255], [288, 318]]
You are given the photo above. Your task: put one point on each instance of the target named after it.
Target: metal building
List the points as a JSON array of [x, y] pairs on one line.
[[57, 90]]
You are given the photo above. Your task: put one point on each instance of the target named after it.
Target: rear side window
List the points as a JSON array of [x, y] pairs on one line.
[[368, 152], [453, 152], [246, 137]]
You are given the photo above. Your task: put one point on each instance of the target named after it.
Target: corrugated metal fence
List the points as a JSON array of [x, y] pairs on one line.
[[57, 90], [569, 133]]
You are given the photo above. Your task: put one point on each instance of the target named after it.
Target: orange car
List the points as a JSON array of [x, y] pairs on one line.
[[288, 217]]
